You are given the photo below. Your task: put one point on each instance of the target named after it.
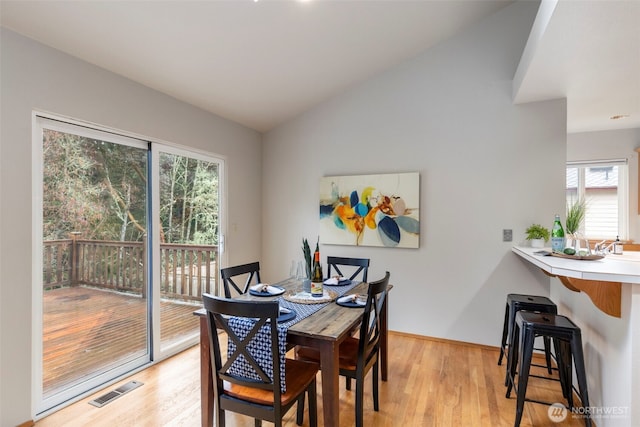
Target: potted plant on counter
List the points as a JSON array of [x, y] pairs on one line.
[[537, 235], [575, 215]]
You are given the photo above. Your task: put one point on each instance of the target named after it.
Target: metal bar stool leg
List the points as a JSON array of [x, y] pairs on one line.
[[547, 353], [526, 346], [578, 358], [512, 357], [566, 371], [505, 330]]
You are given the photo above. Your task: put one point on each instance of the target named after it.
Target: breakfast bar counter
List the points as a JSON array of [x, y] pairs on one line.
[[603, 298]]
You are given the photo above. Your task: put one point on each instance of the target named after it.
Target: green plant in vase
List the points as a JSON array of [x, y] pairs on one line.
[[537, 234], [308, 259], [575, 215], [306, 251]]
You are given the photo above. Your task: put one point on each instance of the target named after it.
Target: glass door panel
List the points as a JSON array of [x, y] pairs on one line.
[[95, 310], [189, 217]]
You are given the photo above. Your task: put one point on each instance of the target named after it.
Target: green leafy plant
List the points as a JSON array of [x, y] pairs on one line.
[[575, 215], [306, 251], [537, 231]]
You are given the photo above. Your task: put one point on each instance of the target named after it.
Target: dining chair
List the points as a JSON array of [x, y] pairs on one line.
[[360, 355], [251, 379], [252, 270], [361, 264]]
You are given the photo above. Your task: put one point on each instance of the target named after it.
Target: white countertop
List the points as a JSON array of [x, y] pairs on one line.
[[613, 268]]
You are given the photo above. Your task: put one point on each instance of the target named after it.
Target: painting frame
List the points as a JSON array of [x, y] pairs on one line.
[[380, 210]]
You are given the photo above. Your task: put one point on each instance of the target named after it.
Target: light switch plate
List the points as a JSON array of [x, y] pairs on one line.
[[507, 235]]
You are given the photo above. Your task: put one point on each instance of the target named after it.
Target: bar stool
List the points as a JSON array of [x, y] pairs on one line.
[[515, 303], [567, 341]]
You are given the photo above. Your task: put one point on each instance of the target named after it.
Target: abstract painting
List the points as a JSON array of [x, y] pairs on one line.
[[371, 210]]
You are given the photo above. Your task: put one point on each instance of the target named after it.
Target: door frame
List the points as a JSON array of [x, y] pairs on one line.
[[40, 406], [156, 148]]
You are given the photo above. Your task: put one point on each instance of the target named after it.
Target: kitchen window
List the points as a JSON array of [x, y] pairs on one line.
[[603, 185]]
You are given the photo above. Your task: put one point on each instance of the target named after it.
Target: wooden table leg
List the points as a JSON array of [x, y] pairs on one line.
[[330, 370], [383, 338], [206, 378]]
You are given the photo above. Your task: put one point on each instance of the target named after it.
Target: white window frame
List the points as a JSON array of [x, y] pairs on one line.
[[623, 189]]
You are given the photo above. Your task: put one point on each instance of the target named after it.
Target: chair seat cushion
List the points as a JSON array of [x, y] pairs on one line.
[[348, 354], [299, 374]]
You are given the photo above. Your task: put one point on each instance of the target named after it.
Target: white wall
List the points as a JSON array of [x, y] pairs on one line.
[[36, 77], [485, 165], [611, 144]]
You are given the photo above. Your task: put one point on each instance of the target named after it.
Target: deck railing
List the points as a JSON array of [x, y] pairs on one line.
[[186, 272], [56, 263]]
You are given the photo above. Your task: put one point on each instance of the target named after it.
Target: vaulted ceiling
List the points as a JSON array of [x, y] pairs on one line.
[[261, 63]]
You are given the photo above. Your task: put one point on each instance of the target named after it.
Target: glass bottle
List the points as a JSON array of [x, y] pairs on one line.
[[557, 235], [617, 246], [316, 278]]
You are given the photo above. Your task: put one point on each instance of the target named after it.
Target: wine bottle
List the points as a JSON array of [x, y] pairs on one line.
[[557, 235], [316, 279]]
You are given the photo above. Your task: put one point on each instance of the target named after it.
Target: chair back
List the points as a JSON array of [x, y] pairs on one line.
[[252, 270], [361, 264], [248, 362], [370, 327]]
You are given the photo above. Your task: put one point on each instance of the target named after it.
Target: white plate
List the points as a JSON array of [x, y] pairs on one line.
[[267, 294]]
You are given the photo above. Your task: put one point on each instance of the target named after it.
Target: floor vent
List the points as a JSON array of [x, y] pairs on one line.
[[114, 394]]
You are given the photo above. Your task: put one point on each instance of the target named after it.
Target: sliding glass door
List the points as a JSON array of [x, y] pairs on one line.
[[127, 239]]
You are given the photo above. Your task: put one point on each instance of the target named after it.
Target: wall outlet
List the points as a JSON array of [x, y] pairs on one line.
[[507, 235]]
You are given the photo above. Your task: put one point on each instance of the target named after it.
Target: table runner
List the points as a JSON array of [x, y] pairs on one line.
[[306, 310], [260, 345]]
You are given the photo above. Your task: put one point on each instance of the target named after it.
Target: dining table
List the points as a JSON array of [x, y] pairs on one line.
[[323, 330]]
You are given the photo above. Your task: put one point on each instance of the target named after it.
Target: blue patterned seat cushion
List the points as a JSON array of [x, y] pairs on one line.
[[259, 348]]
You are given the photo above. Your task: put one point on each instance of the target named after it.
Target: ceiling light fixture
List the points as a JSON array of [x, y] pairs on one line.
[[619, 116]]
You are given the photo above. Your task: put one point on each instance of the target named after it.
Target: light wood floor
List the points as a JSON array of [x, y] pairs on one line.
[[431, 383]]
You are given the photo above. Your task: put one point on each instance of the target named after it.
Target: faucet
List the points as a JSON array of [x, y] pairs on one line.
[[599, 247]]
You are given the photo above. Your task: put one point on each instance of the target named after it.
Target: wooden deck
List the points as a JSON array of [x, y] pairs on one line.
[[87, 329]]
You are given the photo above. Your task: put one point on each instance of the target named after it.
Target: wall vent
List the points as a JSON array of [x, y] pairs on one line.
[[114, 394]]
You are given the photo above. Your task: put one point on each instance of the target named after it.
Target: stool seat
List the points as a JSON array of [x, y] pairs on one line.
[[516, 303], [556, 325], [531, 300], [567, 341]]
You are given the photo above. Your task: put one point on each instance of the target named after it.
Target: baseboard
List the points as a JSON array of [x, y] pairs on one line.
[[536, 354], [444, 340]]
